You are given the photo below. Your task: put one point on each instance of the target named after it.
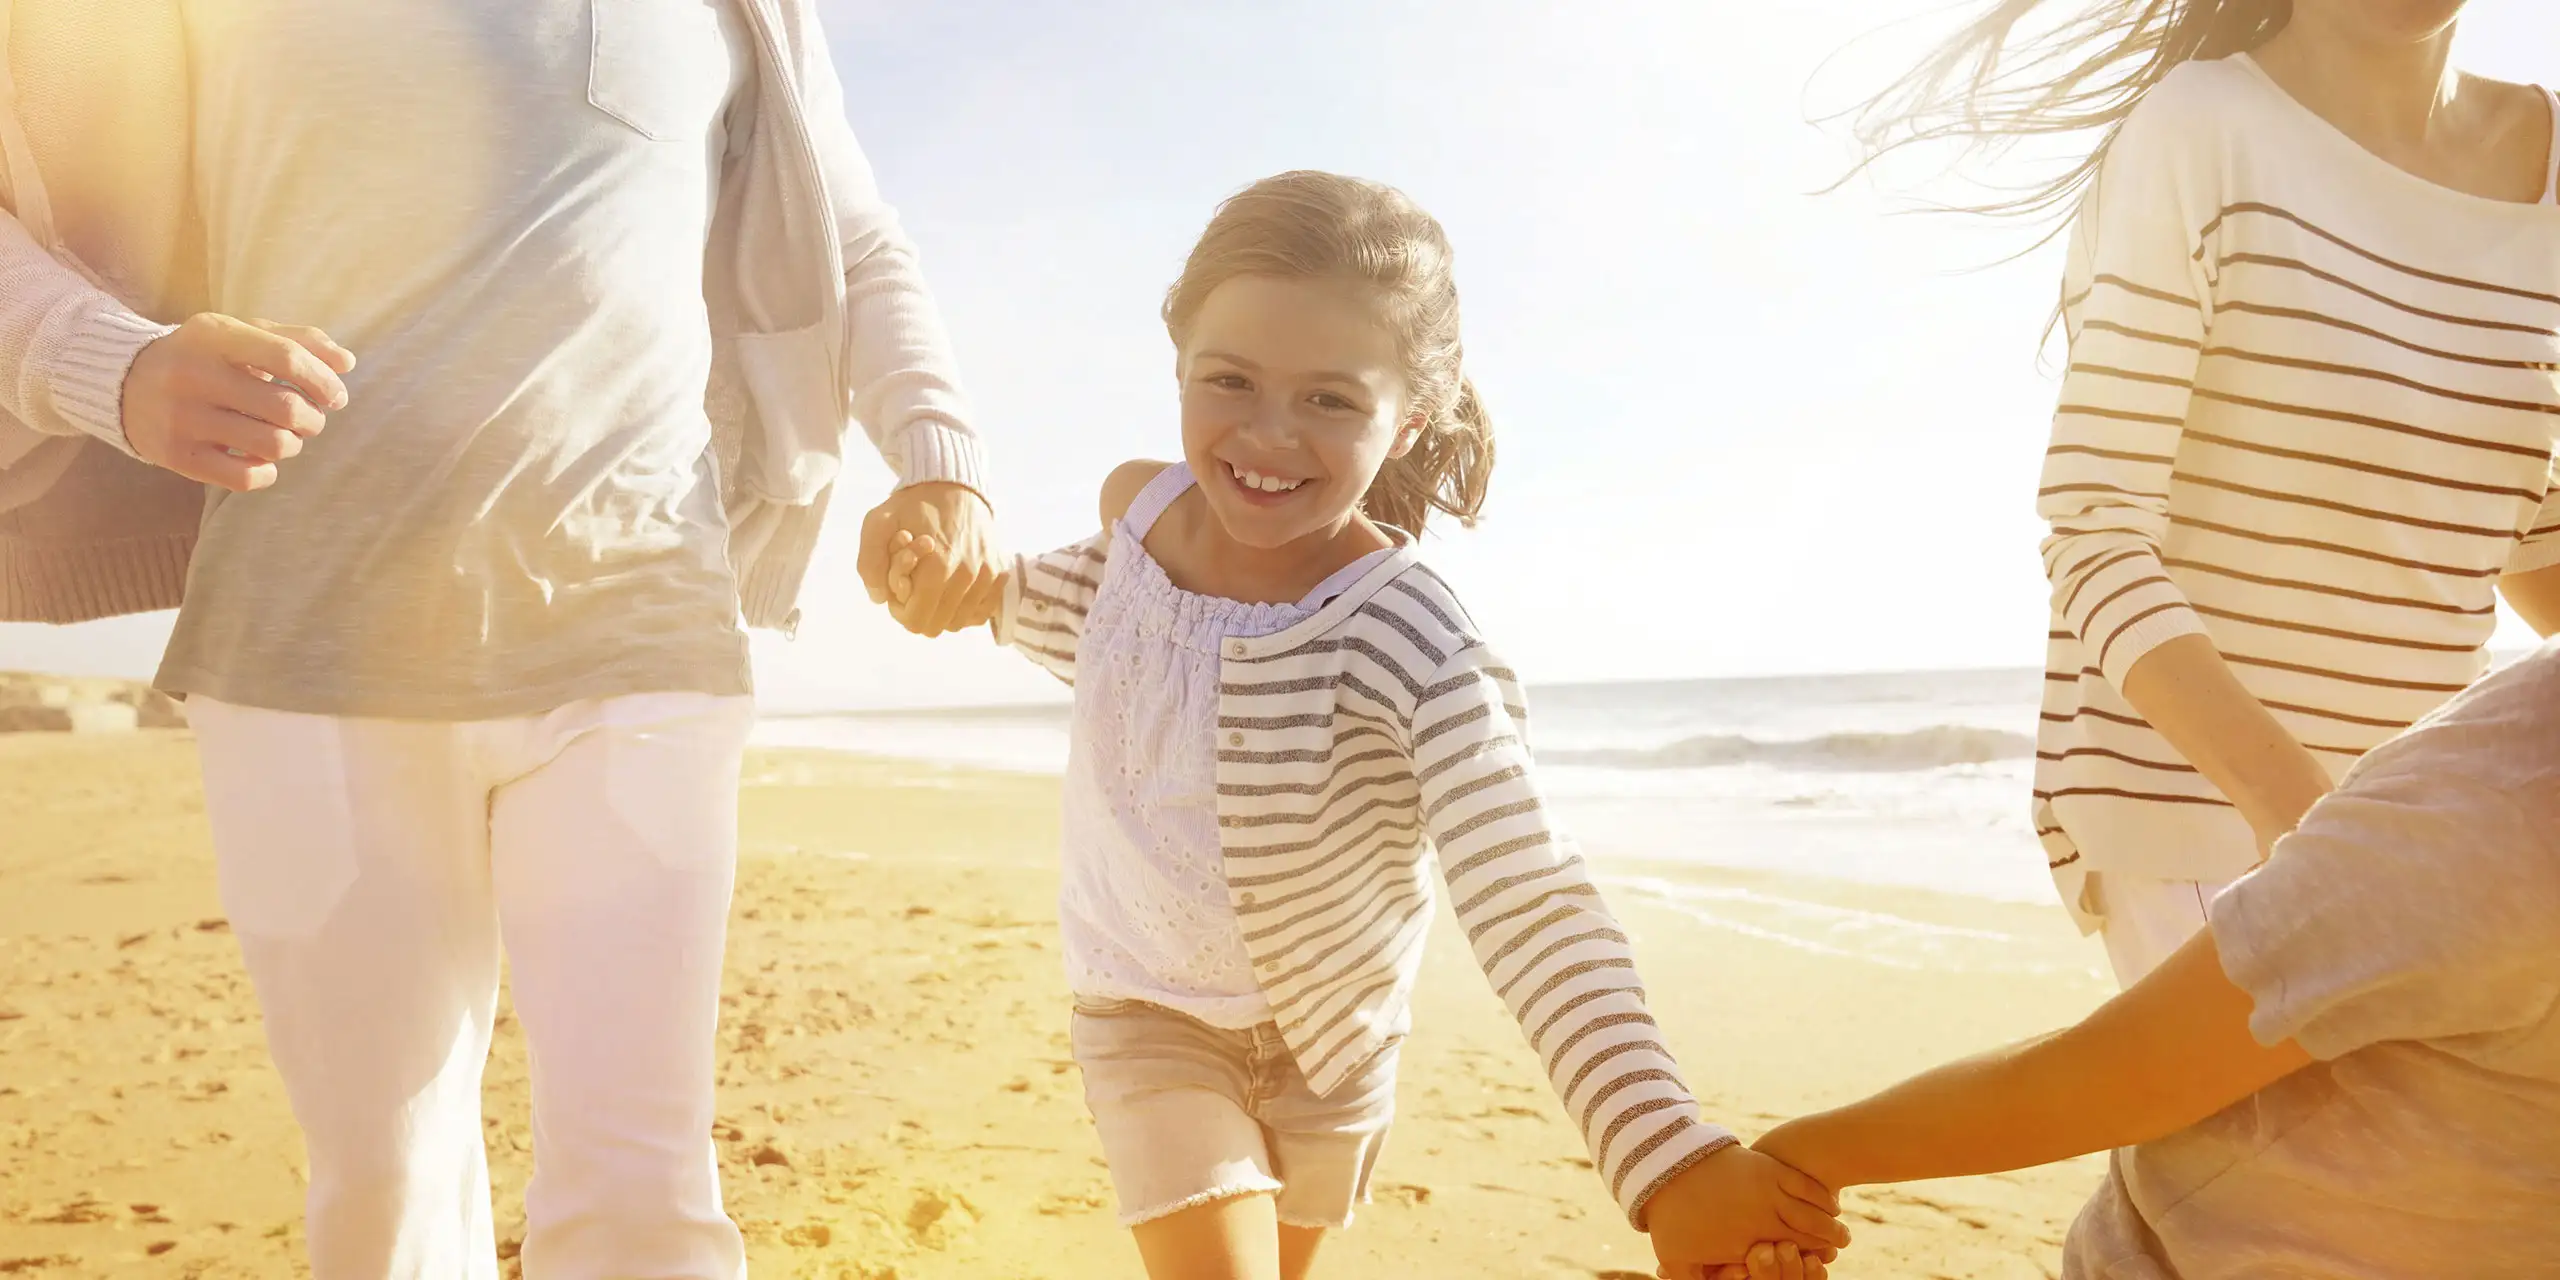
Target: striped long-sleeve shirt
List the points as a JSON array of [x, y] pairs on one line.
[[1355, 749], [2310, 413]]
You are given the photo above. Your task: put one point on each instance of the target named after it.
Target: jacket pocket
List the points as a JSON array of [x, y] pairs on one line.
[[797, 446], [659, 66]]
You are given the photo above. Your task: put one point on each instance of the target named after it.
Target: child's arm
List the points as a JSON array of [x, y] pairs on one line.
[[1555, 956], [2171, 1051], [1037, 606]]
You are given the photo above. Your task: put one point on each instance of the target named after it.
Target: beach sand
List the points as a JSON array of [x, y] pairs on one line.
[[897, 1099]]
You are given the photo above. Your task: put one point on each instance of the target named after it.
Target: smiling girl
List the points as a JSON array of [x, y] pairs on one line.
[[1282, 720]]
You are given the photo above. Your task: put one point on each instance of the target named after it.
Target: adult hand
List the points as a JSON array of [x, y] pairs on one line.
[[956, 586], [1720, 1207], [223, 400]]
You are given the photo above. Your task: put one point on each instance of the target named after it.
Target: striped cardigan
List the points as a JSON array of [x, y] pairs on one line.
[[1352, 748]]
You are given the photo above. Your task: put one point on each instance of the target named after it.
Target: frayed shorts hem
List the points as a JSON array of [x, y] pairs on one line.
[[1257, 1187]]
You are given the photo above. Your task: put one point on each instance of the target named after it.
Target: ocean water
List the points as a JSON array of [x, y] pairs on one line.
[[1916, 780]]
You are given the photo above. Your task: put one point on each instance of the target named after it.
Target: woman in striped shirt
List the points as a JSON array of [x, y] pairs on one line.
[[1282, 721], [2306, 433]]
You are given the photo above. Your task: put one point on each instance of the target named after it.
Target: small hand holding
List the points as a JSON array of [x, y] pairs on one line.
[[1718, 1209]]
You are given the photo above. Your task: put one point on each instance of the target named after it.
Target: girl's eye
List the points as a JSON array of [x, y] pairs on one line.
[[1332, 403], [1229, 382]]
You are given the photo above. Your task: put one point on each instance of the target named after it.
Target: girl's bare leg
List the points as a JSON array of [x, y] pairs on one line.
[[1298, 1250], [1237, 1238]]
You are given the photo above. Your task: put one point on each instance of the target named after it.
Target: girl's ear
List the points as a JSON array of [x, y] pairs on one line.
[[1408, 435]]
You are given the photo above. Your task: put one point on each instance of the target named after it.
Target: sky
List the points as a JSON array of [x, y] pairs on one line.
[[1745, 427]]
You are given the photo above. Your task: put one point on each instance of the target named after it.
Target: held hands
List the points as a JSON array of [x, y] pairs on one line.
[[954, 582], [1731, 1206], [222, 401], [912, 558]]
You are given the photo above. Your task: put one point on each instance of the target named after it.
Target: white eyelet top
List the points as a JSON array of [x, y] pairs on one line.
[[1144, 907]]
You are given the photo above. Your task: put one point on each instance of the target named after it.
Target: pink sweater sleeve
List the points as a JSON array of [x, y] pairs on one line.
[[65, 346]]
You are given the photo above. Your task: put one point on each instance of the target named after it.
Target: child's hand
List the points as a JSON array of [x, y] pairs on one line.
[[1766, 1262], [1722, 1206]]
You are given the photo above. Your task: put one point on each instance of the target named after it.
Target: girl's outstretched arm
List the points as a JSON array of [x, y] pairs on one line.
[[2170, 1051], [1564, 967]]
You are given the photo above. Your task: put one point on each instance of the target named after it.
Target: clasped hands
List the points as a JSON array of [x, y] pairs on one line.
[[928, 553], [1742, 1214]]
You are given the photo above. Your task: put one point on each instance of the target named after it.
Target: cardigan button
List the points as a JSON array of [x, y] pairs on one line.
[[1233, 739], [1235, 649], [1246, 898]]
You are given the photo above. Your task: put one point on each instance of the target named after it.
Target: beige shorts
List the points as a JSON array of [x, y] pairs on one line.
[[1191, 1114]]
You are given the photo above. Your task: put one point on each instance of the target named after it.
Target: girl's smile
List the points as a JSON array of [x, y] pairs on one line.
[[1293, 397]]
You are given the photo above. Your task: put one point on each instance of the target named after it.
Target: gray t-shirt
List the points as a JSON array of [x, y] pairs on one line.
[[501, 206], [2408, 936]]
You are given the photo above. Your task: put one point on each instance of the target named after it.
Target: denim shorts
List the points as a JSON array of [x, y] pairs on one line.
[[1191, 1114]]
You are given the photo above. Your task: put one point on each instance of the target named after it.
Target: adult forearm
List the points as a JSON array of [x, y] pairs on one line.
[[65, 343], [2189, 693]]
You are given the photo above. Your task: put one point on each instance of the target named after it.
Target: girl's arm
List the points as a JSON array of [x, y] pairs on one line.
[[2167, 1053], [2137, 301], [1560, 962], [1039, 603]]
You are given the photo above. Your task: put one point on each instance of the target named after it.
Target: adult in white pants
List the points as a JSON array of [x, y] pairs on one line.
[[373, 869], [461, 624]]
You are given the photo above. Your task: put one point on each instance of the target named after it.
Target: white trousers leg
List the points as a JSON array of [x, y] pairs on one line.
[[2148, 920], [370, 869]]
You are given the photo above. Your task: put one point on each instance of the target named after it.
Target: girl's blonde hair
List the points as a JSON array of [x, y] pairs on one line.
[[1306, 224]]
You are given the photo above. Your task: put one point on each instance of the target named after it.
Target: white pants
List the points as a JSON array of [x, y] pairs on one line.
[[371, 870], [2148, 920]]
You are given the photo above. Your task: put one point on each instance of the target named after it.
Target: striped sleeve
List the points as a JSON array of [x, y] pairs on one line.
[[2540, 548], [1046, 598], [1545, 939], [2135, 309]]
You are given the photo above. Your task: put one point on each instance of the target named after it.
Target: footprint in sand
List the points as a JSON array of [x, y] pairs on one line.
[[937, 1218], [1404, 1193]]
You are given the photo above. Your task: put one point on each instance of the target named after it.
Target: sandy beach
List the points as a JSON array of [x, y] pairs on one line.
[[897, 1099]]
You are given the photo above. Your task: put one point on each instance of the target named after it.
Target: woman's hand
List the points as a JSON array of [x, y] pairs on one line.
[[912, 557], [946, 589], [223, 401]]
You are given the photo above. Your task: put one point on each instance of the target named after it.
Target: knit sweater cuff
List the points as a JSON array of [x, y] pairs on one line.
[[87, 371], [930, 452]]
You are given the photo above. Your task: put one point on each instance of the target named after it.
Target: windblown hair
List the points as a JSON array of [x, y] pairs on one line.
[[1310, 225], [1991, 86]]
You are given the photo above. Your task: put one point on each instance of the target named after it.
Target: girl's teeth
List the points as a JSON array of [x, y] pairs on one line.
[[1267, 484]]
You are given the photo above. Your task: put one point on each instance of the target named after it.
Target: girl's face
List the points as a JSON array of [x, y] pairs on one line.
[[2383, 22], [1292, 397]]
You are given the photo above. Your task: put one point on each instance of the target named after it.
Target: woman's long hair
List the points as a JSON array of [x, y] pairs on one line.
[[1991, 86]]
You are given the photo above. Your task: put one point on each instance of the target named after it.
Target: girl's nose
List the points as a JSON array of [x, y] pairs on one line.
[[1270, 426]]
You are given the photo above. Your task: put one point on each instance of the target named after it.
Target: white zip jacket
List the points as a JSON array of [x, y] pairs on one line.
[[1352, 748]]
